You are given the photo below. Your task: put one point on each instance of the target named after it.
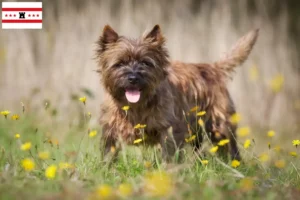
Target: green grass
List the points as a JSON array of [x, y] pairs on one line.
[[253, 179]]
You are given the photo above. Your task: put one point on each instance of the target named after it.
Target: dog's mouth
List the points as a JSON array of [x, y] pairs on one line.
[[133, 95]]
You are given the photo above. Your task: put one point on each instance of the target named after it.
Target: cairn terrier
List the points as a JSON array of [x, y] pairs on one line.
[[146, 93]]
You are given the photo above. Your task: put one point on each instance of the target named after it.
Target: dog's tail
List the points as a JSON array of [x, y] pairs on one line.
[[239, 53]]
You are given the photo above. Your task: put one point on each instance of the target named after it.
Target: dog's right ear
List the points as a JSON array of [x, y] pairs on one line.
[[109, 36]]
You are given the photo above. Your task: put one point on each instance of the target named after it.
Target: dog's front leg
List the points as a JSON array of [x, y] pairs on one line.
[[109, 142]]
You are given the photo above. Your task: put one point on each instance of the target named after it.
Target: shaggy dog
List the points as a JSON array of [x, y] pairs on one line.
[[146, 93]]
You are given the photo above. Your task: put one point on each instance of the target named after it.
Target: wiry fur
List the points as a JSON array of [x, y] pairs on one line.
[[168, 91]]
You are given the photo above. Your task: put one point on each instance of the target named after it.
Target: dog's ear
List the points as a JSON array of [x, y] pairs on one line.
[[155, 35], [108, 36]]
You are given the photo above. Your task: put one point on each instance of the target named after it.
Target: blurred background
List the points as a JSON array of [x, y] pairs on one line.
[[57, 65]]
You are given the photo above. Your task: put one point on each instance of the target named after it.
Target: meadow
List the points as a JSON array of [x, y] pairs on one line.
[[50, 95], [36, 163]]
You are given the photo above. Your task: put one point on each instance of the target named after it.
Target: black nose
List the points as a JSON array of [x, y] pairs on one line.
[[132, 79]]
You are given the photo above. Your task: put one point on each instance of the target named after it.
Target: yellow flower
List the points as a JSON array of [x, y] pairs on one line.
[[147, 164], [50, 172], [223, 142], [277, 148], [276, 83], [27, 164], [214, 149], [104, 192], [264, 157], [137, 141], [143, 125], [15, 117], [137, 126], [253, 73], [158, 184], [200, 122], [246, 184], [243, 131], [235, 118], [201, 113], [89, 114], [280, 164], [112, 149], [44, 155], [65, 165], [26, 146], [82, 99], [247, 144], [271, 133], [194, 109], [293, 153], [5, 113], [125, 108], [125, 190], [93, 133], [204, 162], [193, 137], [235, 163], [17, 135], [296, 142]]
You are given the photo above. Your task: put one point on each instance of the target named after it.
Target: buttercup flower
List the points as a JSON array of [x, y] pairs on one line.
[[104, 192], [125, 108], [204, 162], [5, 113], [15, 117], [214, 149], [192, 138], [83, 100], [125, 190], [27, 164], [201, 113], [296, 142], [243, 131], [65, 165], [247, 144], [92, 133], [293, 153], [235, 163], [201, 122], [26, 146], [147, 164], [50, 172], [280, 164], [137, 141], [143, 125], [276, 83], [44, 155], [271, 133], [138, 126], [17, 135], [235, 118], [264, 157], [194, 109], [158, 184], [223, 142]]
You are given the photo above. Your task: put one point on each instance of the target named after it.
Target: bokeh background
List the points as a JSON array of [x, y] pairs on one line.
[[57, 65]]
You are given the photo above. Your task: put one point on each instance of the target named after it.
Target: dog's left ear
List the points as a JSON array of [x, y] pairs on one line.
[[109, 36], [155, 35]]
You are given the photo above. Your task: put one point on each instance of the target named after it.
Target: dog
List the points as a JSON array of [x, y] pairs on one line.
[[146, 93]]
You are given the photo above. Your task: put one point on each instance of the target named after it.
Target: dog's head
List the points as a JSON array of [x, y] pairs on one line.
[[132, 69]]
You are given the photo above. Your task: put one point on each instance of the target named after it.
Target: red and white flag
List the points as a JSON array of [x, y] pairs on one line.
[[22, 15]]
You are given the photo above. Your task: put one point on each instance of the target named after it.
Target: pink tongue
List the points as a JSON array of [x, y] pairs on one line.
[[133, 96]]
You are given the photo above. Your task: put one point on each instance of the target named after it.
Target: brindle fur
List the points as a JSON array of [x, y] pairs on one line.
[[168, 91]]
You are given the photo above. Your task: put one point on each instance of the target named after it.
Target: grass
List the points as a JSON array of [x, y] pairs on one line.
[[138, 173]]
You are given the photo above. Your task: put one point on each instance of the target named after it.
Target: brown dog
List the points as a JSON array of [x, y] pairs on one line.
[[160, 94]]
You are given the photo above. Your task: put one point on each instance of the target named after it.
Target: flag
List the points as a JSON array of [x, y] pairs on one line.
[[22, 15]]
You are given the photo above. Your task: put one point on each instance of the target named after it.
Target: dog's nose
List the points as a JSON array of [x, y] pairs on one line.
[[132, 79]]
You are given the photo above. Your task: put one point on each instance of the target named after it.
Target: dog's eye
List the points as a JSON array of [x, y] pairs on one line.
[[117, 65], [147, 64]]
